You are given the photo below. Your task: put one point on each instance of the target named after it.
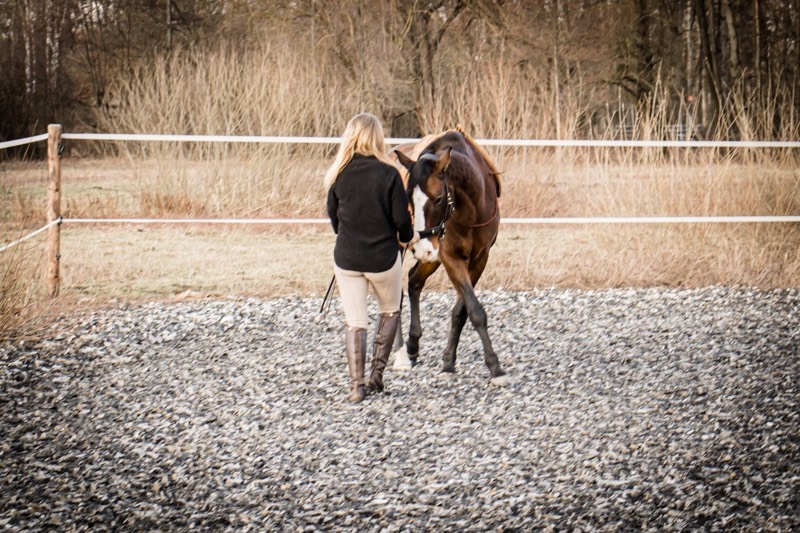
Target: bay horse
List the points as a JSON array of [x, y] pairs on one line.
[[453, 188]]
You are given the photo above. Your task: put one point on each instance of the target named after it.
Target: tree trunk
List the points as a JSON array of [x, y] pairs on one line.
[[556, 82], [691, 84], [29, 23], [710, 68], [733, 41], [757, 54]]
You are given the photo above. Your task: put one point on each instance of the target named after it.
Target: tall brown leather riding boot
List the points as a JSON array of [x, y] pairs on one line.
[[384, 340], [355, 340]]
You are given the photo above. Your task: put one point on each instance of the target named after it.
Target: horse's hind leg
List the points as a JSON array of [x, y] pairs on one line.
[[477, 315], [463, 281]]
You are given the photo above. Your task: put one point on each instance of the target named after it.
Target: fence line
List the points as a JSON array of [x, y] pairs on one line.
[[655, 220], [29, 236], [774, 219], [400, 140], [640, 144], [147, 137], [20, 142], [55, 136], [197, 221]]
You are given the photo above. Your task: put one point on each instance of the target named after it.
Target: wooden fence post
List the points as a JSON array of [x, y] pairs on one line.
[[53, 210]]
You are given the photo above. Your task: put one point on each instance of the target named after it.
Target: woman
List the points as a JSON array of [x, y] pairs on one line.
[[368, 208]]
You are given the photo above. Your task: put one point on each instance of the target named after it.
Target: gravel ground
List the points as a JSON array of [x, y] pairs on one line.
[[630, 409]]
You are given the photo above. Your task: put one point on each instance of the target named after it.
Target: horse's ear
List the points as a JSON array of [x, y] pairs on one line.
[[404, 159], [443, 161]]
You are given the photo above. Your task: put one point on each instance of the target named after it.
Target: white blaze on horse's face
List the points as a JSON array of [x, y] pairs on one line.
[[424, 250]]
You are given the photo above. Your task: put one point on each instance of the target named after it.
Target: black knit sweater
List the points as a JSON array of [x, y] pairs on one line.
[[368, 208]]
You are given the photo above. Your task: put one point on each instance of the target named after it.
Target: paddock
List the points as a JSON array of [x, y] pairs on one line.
[[630, 409]]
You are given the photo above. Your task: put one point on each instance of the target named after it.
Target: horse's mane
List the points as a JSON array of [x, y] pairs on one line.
[[496, 174], [428, 140]]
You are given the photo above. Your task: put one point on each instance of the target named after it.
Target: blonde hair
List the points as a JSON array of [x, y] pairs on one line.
[[363, 135]]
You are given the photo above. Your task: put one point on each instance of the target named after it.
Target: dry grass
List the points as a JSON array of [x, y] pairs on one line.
[[165, 261], [103, 262], [22, 309]]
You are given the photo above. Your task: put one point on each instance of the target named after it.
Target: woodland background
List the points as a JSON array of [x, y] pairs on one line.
[[549, 68]]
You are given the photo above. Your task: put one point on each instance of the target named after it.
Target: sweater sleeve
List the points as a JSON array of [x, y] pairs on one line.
[[400, 214], [333, 209]]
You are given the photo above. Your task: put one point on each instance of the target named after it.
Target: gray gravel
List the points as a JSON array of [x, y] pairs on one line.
[[630, 409]]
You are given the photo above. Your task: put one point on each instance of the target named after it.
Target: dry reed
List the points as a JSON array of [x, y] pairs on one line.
[[21, 306], [278, 89]]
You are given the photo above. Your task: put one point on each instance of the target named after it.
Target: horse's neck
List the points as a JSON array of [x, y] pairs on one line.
[[478, 192]]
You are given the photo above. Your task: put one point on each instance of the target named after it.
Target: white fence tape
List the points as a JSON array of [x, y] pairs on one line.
[[654, 220], [400, 140], [197, 220], [535, 221], [393, 141], [20, 142], [29, 236], [199, 138], [640, 144]]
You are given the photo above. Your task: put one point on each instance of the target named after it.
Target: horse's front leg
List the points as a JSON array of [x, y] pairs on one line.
[[458, 318], [406, 357]]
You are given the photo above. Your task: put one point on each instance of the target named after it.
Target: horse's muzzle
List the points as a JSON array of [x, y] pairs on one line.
[[425, 251]]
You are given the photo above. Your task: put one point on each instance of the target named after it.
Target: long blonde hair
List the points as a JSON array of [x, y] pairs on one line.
[[363, 135]]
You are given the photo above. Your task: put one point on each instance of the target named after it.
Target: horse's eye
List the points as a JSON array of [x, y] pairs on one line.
[[438, 201]]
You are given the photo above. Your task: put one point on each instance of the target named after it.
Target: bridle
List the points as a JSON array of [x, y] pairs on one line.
[[450, 208], [494, 216], [439, 229]]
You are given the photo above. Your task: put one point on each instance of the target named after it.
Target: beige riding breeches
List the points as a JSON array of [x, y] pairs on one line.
[[354, 288]]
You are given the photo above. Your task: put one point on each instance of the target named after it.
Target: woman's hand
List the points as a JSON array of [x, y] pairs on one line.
[[414, 238]]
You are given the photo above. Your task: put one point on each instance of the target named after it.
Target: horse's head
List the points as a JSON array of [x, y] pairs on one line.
[[427, 173], [427, 192]]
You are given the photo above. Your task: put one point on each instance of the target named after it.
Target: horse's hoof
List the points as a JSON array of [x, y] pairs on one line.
[[501, 381], [447, 376], [401, 360]]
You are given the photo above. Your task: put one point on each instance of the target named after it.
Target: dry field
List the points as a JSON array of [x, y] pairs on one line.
[[147, 261]]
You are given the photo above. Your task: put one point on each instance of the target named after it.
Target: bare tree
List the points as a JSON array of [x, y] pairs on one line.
[[59, 56]]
